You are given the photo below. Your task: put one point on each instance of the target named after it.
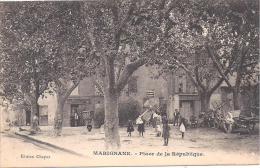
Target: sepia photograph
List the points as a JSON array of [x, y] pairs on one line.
[[129, 83]]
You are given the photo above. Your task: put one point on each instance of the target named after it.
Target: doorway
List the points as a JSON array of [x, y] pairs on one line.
[[186, 109], [74, 115]]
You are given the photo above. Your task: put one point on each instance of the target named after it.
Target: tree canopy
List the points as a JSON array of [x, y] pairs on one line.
[[56, 44]]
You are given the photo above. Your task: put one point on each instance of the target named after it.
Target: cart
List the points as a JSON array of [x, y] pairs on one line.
[[245, 122]]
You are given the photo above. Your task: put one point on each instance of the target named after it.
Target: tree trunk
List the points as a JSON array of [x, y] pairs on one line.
[[236, 99], [205, 101], [62, 96], [112, 138], [34, 112], [34, 109], [37, 111], [58, 119]]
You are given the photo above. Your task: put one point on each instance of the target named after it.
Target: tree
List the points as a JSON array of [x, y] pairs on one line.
[[234, 39], [185, 50], [224, 32], [128, 110], [24, 62], [203, 75], [125, 35], [57, 31], [71, 59]]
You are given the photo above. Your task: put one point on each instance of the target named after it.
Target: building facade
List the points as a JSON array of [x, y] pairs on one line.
[[172, 91], [183, 95], [140, 87]]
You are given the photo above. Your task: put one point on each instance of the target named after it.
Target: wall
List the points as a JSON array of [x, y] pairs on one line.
[[86, 103], [51, 102], [86, 87], [176, 78], [146, 82]]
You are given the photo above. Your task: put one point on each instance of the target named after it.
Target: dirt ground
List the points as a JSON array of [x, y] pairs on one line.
[[200, 146], [200, 138]]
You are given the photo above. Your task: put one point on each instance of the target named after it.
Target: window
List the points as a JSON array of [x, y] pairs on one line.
[[88, 101], [132, 85], [150, 93], [195, 90], [180, 88]]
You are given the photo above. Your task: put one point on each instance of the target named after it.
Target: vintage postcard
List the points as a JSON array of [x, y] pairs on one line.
[[129, 83]]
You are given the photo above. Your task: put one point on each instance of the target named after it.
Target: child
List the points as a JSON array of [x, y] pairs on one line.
[[182, 127], [89, 124], [158, 122], [158, 130], [130, 127], [141, 129], [140, 124], [166, 133]]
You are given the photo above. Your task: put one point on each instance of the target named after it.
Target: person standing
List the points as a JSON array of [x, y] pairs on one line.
[[140, 124], [166, 131], [76, 118], [130, 127], [228, 122], [35, 126], [193, 121], [158, 130], [89, 124], [176, 115], [158, 121], [182, 127]]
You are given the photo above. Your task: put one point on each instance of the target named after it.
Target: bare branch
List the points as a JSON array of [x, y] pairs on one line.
[[127, 72], [240, 66], [120, 68], [68, 92], [217, 64], [190, 74], [122, 24], [196, 72], [219, 82]]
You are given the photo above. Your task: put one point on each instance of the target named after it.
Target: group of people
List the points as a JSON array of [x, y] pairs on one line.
[[181, 123], [140, 128], [165, 132], [213, 119]]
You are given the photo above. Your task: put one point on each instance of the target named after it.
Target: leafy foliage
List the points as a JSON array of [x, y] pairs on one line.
[[128, 110], [23, 57]]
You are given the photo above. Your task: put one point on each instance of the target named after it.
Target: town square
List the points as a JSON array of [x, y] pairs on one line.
[[101, 82]]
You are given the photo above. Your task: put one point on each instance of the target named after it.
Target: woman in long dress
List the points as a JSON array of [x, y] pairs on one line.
[[182, 127], [166, 132]]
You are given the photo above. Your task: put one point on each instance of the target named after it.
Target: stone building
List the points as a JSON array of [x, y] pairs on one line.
[[141, 86], [172, 91], [183, 95]]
